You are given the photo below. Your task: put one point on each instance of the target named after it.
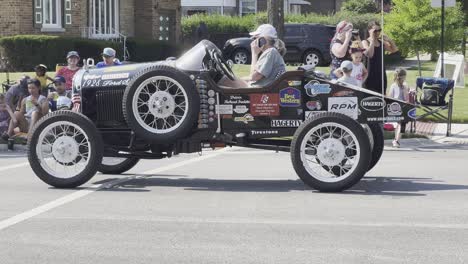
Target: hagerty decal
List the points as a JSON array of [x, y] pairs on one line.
[[373, 103], [290, 97], [314, 88], [344, 105], [264, 104], [286, 123]]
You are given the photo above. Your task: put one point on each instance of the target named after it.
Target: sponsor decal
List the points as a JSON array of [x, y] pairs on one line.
[[237, 99], [314, 88], [226, 116], [343, 93], [309, 114], [314, 105], [91, 77], [224, 109], [241, 109], [412, 113], [385, 119], [373, 103], [211, 101], [290, 97], [345, 105], [294, 83], [263, 132], [121, 68], [394, 109], [264, 104], [286, 123], [244, 119], [114, 76]]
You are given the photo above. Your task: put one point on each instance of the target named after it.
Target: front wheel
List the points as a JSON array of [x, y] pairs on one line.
[[330, 152], [65, 149], [112, 165]]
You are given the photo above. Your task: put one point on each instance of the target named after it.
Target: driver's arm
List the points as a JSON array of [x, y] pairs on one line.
[[256, 76]]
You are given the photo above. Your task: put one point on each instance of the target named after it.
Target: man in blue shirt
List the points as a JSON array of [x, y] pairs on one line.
[[108, 59]]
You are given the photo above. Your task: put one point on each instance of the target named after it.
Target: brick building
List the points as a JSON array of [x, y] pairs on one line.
[[100, 19]]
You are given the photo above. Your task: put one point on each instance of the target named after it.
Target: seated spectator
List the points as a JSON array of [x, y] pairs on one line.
[[60, 99], [16, 93], [69, 71], [108, 58], [347, 68], [5, 115], [32, 109], [41, 75]]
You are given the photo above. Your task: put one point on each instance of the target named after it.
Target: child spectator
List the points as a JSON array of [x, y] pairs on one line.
[[32, 109], [399, 90], [346, 69], [60, 99], [41, 75], [359, 72], [108, 58], [5, 115], [69, 71], [16, 93]]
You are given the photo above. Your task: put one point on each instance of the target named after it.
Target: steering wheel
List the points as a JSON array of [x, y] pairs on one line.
[[221, 64]]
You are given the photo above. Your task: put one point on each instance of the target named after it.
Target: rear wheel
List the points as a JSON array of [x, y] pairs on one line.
[[111, 165], [65, 149], [330, 152]]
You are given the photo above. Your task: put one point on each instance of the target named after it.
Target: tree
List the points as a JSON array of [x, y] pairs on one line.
[[275, 9], [360, 6], [416, 27]]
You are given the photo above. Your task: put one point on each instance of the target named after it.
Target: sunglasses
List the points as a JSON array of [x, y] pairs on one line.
[[378, 30]]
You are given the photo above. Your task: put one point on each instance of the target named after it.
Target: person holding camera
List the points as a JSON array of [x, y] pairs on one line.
[[267, 62], [377, 78], [340, 45]]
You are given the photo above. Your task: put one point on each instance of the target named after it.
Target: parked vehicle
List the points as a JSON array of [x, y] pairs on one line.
[[160, 109], [307, 44]]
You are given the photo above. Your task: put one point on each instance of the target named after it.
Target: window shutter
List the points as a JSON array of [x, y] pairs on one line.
[[67, 13], [38, 16]]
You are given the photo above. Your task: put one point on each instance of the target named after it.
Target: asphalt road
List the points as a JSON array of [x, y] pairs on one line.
[[240, 206]]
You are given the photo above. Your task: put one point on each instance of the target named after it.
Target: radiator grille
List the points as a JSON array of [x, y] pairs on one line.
[[109, 105]]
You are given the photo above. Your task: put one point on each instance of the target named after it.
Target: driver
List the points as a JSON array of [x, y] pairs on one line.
[[267, 62]]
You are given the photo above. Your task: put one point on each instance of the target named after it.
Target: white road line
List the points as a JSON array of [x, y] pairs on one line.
[[79, 194], [4, 168]]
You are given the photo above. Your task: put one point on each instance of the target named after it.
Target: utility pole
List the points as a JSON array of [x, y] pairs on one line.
[[275, 10], [442, 73]]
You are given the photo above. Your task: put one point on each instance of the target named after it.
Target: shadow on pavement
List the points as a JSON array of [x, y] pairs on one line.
[[391, 186]]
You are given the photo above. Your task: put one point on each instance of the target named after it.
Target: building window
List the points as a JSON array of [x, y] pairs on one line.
[[51, 14], [247, 7], [104, 18]]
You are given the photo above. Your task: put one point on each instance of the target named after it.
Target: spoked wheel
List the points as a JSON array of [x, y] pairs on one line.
[[330, 152], [376, 137], [161, 104], [65, 149], [111, 165]]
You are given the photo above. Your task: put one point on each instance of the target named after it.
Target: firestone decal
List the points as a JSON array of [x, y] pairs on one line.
[[264, 132], [290, 97]]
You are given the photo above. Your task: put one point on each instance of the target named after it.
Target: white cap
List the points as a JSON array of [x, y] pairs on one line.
[[265, 30], [346, 65], [109, 52]]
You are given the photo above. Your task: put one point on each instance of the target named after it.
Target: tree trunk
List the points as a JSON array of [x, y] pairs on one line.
[[275, 9], [419, 63]]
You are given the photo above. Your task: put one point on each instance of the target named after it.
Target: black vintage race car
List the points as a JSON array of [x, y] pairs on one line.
[[160, 109]]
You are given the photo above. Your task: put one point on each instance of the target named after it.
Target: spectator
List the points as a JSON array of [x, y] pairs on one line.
[[399, 90], [339, 46], [281, 47], [16, 93], [377, 80], [346, 68], [202, 32], [60, 99], [32, 109], [108, 59], [41, 75], [359, 70], [5, 115], [69, 71]]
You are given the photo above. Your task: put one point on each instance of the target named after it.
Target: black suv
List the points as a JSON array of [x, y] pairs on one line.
[[306, 43]]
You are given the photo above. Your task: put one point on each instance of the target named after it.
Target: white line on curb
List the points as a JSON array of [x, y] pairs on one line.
[[79, 194]]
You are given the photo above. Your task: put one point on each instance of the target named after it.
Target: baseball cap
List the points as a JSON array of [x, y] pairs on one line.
[[265, 30], [73, 54], [60, 79], [108, 52], [346, 66], [41, 66], [343, 25]]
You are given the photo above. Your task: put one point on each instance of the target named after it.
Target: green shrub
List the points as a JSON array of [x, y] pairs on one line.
[[360, 6], [25, 51]]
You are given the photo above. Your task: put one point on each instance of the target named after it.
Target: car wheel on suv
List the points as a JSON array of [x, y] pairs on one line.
[[312, 57], [241, 56]]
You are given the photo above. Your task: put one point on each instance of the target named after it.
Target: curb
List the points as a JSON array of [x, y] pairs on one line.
[[16, 147]]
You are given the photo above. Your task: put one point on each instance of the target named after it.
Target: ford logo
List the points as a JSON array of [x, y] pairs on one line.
[[373, 103]]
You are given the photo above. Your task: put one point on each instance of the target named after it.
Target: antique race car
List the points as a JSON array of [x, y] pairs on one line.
[[160, 109]]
